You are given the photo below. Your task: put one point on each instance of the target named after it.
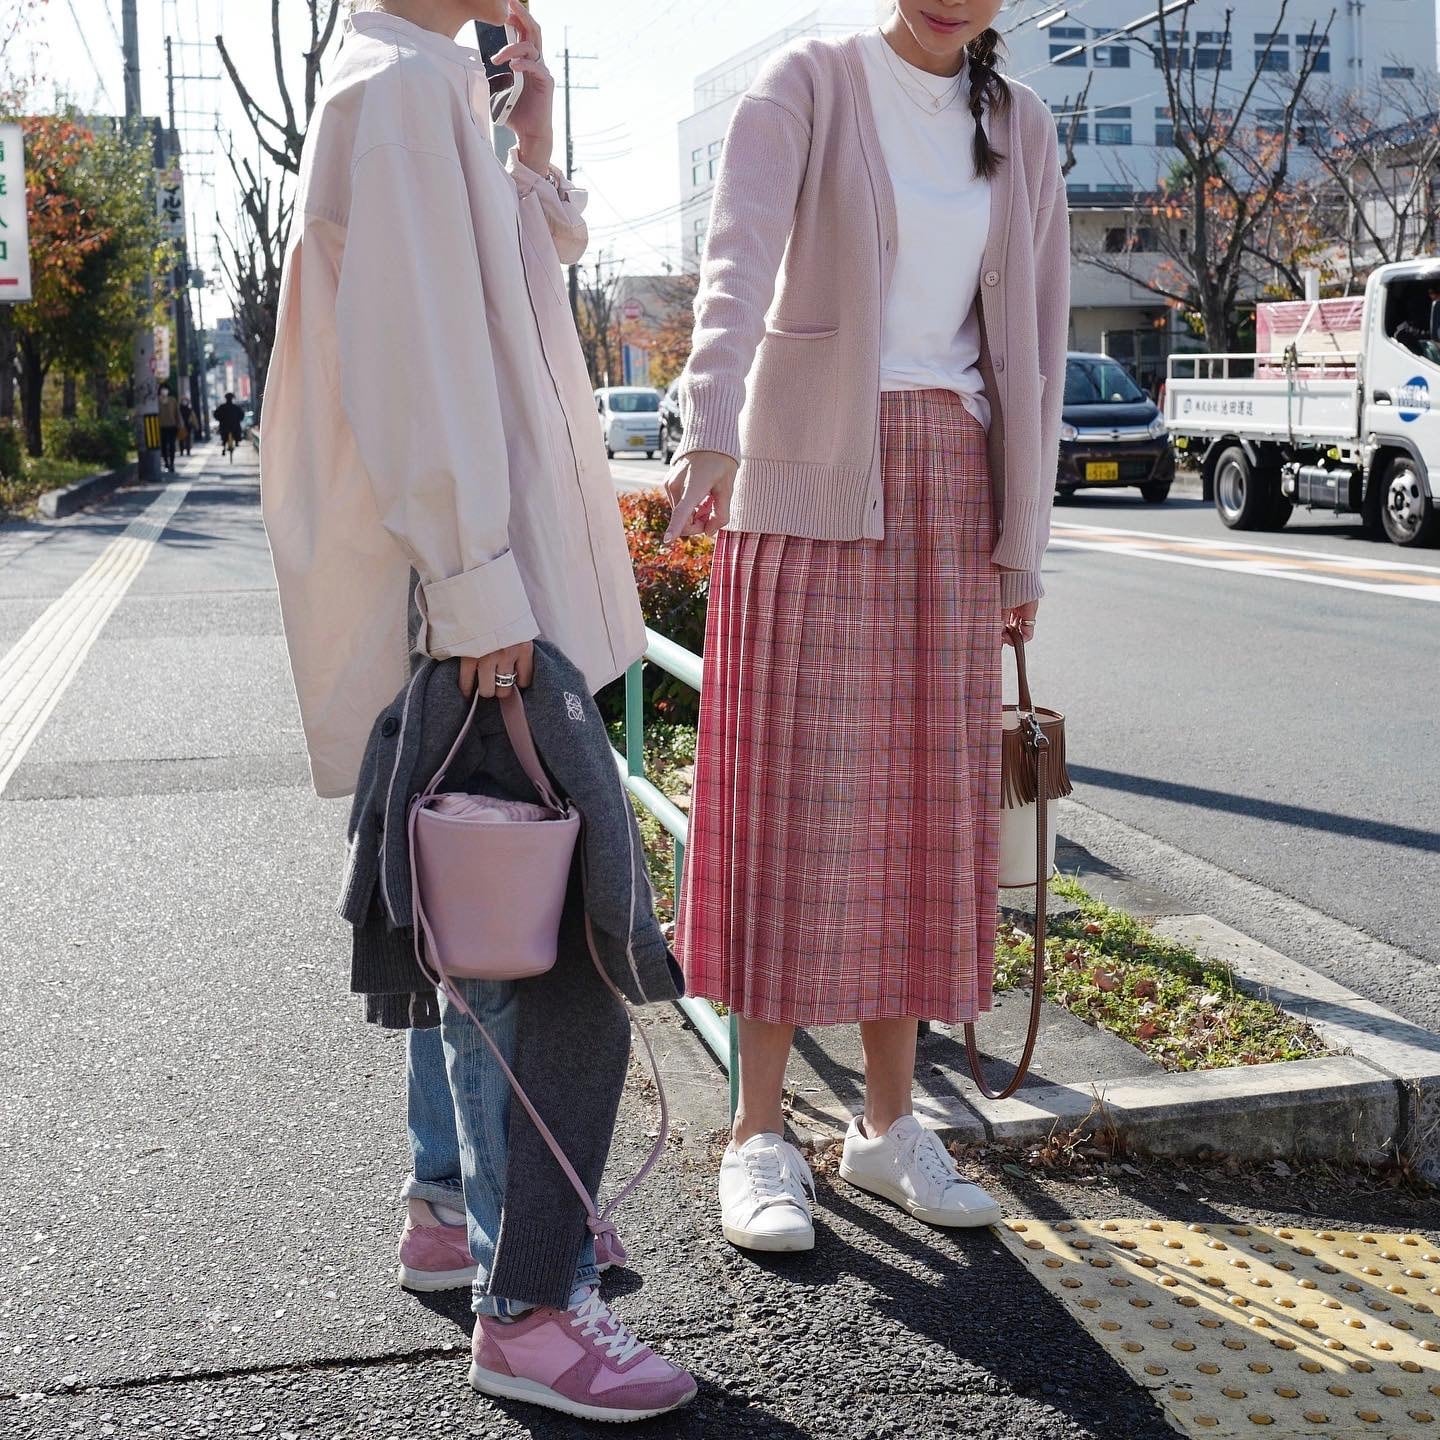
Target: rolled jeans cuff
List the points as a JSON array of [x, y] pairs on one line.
[[435, 1192], [497, 1306]]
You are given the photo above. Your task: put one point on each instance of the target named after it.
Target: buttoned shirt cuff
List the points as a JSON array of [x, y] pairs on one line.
[[478, 611]]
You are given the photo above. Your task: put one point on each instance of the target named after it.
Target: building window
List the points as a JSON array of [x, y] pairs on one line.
[[1066, 117], [1397, 72], [1077, 191], [1115, 56], [1320, 44], [1064, 39], [1176, 47], [1272, 52], [1212, 50], [1164, 126], [1112, 189], [697, 167], [1269, 124], [698, 238], [1125, 240], [1112, 125]]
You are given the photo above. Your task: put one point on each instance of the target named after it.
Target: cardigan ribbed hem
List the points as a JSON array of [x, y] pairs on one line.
[[777, 497], [536, 1259], [1020, 587], [711, 418], [1024, 533]]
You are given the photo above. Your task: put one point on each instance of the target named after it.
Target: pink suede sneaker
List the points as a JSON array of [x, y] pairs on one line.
[[581, 1361], [436, 1256]]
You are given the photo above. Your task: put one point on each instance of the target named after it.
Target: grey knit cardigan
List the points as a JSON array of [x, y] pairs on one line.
[[573, 1037]]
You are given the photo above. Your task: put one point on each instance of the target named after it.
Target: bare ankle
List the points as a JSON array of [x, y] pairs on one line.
[[744, 1128]]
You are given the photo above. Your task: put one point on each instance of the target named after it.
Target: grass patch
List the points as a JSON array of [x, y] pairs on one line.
[[1183, 1011], [19, 494]]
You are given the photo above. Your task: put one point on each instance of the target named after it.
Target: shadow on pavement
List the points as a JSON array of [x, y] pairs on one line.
[[1297, 816]]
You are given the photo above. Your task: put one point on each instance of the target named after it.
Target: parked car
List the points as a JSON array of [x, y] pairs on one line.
[[1111, 432], [672, 428], [629, 418]]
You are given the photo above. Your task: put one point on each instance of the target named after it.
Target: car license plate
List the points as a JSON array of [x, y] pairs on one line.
[[1102, 470], [639, 441]]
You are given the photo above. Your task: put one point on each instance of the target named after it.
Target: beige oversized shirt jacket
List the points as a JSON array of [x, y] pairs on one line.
[[428, 405]]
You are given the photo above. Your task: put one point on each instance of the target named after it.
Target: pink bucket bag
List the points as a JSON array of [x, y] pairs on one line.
[[488, 882]]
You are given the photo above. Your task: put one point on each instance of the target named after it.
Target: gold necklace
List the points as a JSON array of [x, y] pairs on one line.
[[932, 104]]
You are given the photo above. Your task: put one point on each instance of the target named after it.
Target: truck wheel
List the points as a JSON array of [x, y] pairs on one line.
[[1407, 512], [1157, 493], [1241, 496], [1281, 509]]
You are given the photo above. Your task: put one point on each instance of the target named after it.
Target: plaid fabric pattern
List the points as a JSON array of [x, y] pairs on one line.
[[844, 830]]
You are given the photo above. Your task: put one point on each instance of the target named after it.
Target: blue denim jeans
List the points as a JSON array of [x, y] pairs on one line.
[[451, 1077]]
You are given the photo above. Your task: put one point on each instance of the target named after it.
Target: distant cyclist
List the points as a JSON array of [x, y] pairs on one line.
[[229, 417]]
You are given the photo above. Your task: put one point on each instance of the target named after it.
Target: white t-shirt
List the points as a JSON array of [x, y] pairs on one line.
[[931, 338]]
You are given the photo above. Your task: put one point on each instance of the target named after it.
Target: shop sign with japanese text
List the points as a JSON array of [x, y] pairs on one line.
[[14, 228]]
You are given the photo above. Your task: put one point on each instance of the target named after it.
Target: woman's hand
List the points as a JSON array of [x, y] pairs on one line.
[[699, 488], [532, 119], [517, 660], [1024, 617]]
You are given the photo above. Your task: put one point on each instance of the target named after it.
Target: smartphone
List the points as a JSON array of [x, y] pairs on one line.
[[506, 86]]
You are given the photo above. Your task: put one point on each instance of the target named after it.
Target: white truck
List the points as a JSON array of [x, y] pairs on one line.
[[1334, 410]]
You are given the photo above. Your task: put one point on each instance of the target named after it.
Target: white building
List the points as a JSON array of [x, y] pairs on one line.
[[1055, 47]]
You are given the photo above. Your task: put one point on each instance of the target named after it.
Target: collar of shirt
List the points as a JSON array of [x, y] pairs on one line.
[[463, 64]]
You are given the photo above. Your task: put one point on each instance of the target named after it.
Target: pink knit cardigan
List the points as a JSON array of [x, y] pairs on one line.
[[804, 199]]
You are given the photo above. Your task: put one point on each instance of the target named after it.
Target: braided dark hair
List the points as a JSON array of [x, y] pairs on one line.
[[988, 91]]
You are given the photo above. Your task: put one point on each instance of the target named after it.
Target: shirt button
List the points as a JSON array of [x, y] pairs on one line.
[[390, 727], [999, 364], [992, 277]]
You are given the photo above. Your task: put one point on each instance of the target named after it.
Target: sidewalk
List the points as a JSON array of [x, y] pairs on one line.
[[203, 1143]]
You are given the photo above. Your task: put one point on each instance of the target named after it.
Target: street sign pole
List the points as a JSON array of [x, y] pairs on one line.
[[144, 383]]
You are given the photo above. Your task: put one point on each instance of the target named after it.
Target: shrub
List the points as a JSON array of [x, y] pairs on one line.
[[105, 443], [674, 584], [11, 452]]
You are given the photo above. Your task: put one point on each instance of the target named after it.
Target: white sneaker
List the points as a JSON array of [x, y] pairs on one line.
[[909, 1165], [765, 1193]]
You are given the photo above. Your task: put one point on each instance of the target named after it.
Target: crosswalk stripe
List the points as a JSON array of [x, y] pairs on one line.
[[39, 667]]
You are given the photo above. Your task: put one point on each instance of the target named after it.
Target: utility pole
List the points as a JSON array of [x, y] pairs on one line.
[[142, 370]]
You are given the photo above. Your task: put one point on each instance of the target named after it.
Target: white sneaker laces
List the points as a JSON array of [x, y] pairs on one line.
[[620, 1345], [774, 1179], [934, 1161]]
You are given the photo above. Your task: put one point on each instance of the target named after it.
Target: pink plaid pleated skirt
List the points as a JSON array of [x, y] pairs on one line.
[[844, 827]]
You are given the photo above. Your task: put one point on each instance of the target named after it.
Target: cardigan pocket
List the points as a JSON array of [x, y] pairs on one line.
[[788, 330], [793, 390]]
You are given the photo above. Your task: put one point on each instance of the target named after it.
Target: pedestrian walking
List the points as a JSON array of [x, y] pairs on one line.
[[169, 426], [188, 421], [462, 476], [900, 202]]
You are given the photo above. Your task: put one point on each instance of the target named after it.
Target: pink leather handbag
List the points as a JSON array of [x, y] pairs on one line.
[[488, 881], [492, 873]]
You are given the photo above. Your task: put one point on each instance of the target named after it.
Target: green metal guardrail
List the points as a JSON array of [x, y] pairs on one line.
[[719, 1036]]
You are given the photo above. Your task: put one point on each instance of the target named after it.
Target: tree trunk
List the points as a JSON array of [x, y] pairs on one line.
[[32, 387], [69, 398], [7, 370]]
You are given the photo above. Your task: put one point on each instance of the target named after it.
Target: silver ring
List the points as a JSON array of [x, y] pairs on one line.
[[506, 682]]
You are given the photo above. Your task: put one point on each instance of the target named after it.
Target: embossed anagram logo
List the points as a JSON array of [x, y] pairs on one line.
[[573, 708]]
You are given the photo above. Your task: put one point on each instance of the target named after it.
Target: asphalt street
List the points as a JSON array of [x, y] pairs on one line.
[[203, 1144]]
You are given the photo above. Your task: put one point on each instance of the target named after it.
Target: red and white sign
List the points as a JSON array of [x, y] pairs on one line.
[[633, 310], [14, 225]]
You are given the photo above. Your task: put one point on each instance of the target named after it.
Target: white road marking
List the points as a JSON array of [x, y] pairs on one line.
[[1309, 567], [1226, 542], [39, 667]]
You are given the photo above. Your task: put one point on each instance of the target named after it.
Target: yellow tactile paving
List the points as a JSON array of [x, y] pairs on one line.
[[1248, 1330]]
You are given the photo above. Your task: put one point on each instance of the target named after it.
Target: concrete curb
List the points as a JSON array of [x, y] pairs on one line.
[[1378, 1097], [56, 504]]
